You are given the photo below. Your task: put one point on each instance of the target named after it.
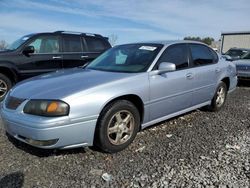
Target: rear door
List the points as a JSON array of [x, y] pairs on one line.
[[172, 91], [73, 51], [46, 58], [95, 47], [206, 72]]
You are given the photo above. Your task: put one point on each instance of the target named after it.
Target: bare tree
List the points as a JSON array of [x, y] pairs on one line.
[[3, 44], [113, 39]]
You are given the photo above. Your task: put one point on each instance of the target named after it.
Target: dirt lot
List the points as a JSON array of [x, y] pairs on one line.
[[198, 149]]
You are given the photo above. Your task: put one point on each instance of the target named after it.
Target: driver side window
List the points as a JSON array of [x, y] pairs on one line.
[[46, 44], [177, 54]]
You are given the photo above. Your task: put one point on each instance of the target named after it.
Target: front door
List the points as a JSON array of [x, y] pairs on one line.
[[172, 91], [46, 58]]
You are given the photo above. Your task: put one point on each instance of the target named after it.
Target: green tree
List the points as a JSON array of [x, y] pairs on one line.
[[192, 38], [206, 40]]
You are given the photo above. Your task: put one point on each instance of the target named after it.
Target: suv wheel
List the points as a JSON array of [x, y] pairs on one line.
[[117, 126], [5, 85]]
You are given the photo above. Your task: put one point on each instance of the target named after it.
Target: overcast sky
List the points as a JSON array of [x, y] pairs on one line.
[[130, 20]]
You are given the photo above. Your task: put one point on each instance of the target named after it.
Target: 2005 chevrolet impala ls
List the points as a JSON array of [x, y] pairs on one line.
[[126, 89]]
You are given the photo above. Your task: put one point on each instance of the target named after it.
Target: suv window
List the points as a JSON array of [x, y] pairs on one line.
[[246, 56], [201, 55], [235, 52], [176, 54], [46, 44], [72, 43], [95, 44]]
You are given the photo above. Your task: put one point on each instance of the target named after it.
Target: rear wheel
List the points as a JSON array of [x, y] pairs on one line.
[[219, 98], [5, 85], [117, 126]]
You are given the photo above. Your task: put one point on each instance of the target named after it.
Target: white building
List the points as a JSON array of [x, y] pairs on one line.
[[234, 40]]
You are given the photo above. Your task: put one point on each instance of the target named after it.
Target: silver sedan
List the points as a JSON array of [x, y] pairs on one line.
[[126, 89]]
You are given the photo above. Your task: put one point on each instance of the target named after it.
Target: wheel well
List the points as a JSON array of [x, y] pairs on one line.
[[227, 82], [133, 99], [7, 72]]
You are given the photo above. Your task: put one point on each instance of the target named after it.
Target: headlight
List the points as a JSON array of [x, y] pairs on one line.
[[51, 108]]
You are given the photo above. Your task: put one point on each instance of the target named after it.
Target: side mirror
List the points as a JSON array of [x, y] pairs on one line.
[[237, 57], [28, 50], [227, 57], [167, 67], [164, 67]]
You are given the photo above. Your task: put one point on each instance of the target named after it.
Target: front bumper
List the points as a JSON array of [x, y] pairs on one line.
[[61, 134], [243, 74]]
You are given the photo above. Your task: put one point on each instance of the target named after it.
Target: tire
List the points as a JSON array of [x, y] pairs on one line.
[[219, 98], [5, 85], [117, 126]]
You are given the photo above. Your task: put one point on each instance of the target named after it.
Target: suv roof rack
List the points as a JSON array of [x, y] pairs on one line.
[[79, 33]]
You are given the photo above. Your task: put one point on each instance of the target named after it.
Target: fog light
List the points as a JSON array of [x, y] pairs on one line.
[[41, 142]]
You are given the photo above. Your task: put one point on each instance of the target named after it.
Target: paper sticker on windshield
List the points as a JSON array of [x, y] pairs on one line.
[[25, 38], [149, 48]]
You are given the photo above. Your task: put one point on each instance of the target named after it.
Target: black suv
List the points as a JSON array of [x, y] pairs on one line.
[[40, 53]]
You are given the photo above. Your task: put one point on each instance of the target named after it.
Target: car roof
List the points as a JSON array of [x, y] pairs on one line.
[[234, 48], [71, 33], [168, 42]]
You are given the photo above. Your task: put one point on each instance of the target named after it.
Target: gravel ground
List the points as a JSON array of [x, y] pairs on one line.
[[198, 149]]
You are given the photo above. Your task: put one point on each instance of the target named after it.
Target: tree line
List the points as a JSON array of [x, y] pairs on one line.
[[206, 40]]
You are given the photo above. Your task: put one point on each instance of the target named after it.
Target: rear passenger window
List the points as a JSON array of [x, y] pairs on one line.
[[95, 44], [176, 54], [72, 44], [201, 55]]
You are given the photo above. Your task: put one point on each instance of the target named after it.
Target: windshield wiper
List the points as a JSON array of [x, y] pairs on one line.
[[84, 66]]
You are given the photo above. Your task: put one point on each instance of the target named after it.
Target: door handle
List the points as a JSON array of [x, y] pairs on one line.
[[57, 57], [84, 56], [189, 76], [217, 70]]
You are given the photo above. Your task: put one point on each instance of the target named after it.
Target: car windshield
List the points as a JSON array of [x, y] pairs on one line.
[[19, 42], [246, 56], [130, 58]]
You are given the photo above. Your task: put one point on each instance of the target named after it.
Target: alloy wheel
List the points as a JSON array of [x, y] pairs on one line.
[[221, 96], [3, 88], [121, 127]]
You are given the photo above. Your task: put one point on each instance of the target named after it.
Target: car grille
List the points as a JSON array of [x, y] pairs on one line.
[[13, 102], [243, 67]]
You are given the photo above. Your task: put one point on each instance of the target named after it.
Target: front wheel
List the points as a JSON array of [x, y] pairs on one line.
[[117, 126], [219, 98]]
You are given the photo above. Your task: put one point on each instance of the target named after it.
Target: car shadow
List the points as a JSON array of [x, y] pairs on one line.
[[243, 83], [43, 152], [13, 180]]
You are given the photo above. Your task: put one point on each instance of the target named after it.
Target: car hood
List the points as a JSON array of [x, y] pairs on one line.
[[242, 62], [5, 52], [62, 84]]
